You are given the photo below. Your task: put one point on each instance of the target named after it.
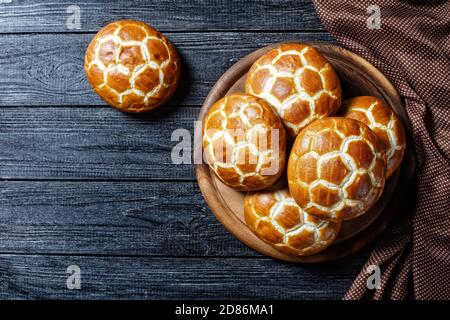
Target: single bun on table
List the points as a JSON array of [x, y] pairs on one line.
[[278, 220], [336, 169], [382, 120], [298, 81], [244, 142], [132, 66]]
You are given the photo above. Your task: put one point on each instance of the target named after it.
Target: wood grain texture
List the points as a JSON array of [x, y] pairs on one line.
[[111, 218], [44, 277], [47, 69], [166, 15], [92, 143]]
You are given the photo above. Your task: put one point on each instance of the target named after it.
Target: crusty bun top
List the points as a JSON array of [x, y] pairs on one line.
[[382, 120], [244, 142], [298, 81], [277, 219], [336, 169], [133, 67]]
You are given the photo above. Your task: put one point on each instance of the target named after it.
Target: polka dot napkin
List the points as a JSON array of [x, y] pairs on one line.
[[409, 41]]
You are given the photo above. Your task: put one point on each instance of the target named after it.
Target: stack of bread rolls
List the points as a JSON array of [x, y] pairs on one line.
[[291, 123]]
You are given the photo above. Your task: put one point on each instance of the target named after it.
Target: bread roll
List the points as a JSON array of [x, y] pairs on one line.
[[131, 66], [298, 81], [336, 169], [382, 120], [244, 142], [277, 219]]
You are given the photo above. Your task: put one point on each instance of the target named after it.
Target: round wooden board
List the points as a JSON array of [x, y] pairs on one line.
[[358, 77]]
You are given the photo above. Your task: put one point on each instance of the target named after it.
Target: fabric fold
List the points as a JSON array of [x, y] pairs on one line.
[[411, 46]]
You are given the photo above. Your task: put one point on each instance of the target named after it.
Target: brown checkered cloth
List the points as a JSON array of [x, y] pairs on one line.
[[412, 48]]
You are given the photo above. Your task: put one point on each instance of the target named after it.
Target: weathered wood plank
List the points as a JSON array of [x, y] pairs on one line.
[[117, 218], [92, 143], [166, 15], [44, 277], [47, 69]]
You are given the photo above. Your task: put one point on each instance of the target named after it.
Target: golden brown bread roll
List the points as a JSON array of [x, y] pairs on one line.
[[337, 168], [131, 66], [277, 219], [244, 142], [382, 120], [298, 81]]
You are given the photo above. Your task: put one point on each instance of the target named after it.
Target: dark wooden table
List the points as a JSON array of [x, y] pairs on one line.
[[83, 184]]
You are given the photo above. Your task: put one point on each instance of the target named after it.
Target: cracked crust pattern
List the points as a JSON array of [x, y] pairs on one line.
[[337, 168], [382, 120], [276, 218], [132, 66], [298, 81], [244, 142]]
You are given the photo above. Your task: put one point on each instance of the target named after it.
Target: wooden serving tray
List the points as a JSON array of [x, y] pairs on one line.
[[358, 77]]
